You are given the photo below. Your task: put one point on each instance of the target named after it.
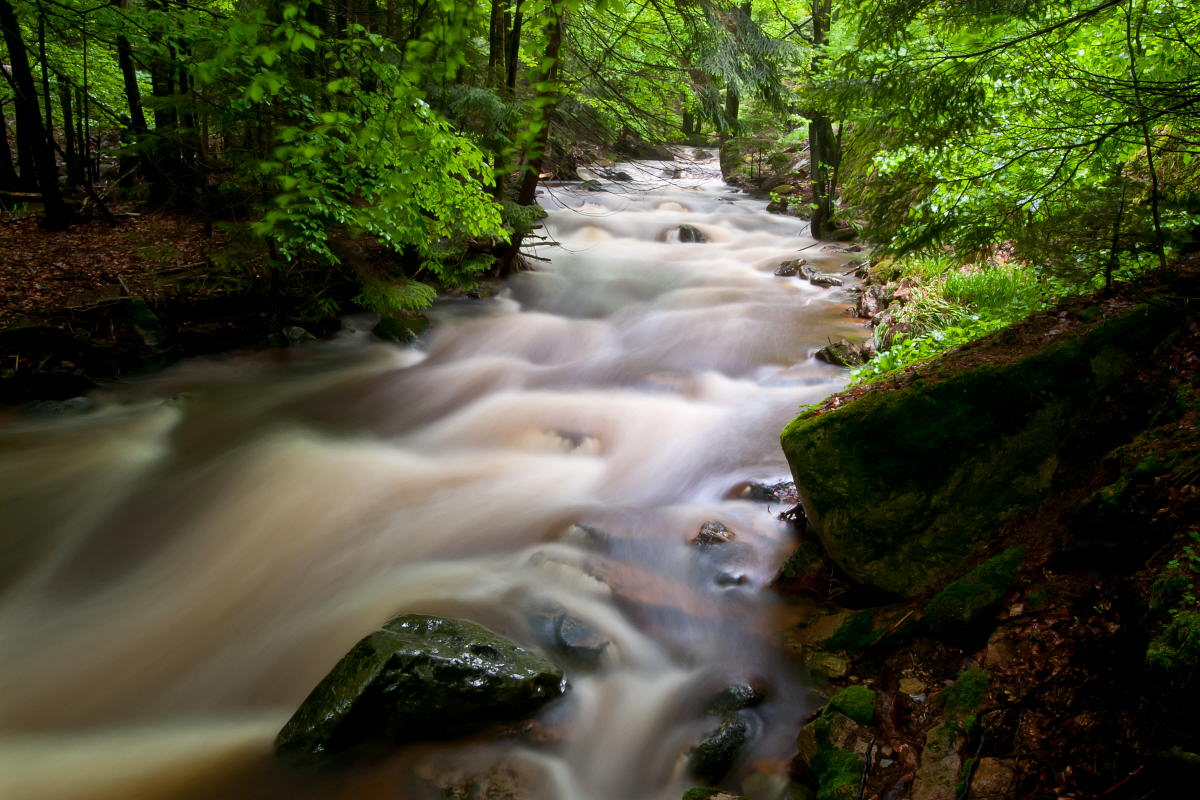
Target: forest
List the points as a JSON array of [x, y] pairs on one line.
[[453, 338], [420, 131]]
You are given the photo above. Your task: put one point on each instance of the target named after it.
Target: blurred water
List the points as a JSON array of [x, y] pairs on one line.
[[179, 567]]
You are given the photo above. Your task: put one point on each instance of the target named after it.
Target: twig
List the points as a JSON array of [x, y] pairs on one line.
[[862, 782]]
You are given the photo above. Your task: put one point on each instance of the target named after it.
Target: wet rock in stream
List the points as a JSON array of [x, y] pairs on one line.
[[713, 533], [844, 353], [691, 234], [417, 677], [713, 758], [568, 636]]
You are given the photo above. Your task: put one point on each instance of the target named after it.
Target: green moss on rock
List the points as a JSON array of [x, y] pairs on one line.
[[838, 773], [856, 633], [417, 677], [965, 601], [856, 702], [905, 487], [967, 692]]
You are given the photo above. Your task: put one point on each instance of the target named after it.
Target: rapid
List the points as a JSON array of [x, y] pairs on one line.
[[181, 564]]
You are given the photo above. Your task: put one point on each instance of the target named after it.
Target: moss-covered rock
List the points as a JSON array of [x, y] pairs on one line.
[[826, 745], [417, 677], [941, 764], [963, 602], [856, 702], [904, 487], [966, 694]]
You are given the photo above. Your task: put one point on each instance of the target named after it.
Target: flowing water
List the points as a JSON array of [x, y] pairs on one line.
[[180, 565]]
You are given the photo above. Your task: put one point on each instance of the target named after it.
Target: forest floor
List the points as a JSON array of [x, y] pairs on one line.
[[44, 274], [104, 301]]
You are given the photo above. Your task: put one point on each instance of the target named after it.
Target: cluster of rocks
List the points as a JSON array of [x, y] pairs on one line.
[[800, 268]]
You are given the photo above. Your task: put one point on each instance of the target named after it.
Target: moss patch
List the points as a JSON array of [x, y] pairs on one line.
[[967, 692], [856, 633], [965, 601], [838, 772], [857, 703]]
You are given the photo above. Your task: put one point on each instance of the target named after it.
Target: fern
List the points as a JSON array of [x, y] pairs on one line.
[[404, 294]]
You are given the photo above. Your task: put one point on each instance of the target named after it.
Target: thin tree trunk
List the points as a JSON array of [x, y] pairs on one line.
[[495, 43], [544, 105], [1114, 249], [514, 50], [29, 119], [8, 170], [1133, 40], [823, 152], [70, 146]]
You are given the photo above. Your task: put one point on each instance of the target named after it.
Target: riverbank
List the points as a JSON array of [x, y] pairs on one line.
[[1043, 645]]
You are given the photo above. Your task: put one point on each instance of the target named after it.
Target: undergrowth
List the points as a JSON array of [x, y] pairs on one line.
[[950, 304]]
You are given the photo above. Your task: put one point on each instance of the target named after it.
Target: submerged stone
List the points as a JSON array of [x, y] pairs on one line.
[[568, 636], [417, 677]]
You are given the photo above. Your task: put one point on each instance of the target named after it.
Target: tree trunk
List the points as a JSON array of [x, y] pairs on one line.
[[164, 154], [74, 164], [8, 170], [544, 105], [29, 123], [495, 66], [823, 150], [514, 50]]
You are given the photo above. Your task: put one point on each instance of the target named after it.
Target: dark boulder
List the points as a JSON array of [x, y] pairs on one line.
[[907, 488], [417, 677], [844, 353], [690, 233], [715, 755]]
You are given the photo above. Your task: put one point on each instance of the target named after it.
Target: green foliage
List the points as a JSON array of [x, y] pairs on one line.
[[951, 305], [391, 298], [1065, 132], [1176, 648], [522, 220]]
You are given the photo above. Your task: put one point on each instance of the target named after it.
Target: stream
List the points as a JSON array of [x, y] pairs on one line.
[[181, 564]]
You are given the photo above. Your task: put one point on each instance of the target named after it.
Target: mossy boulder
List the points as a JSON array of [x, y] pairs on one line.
[[827, 747], [417, 677], [856, 702], [904, 487]]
